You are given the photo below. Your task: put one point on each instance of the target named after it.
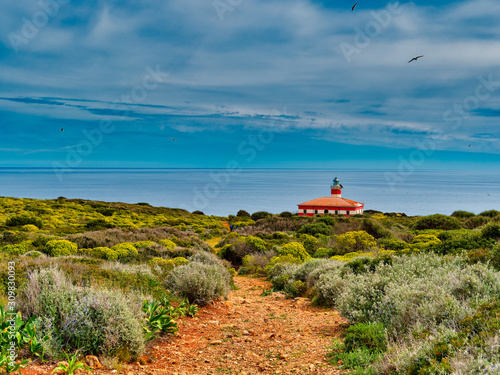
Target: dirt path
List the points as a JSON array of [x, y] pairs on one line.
[[248, 334]]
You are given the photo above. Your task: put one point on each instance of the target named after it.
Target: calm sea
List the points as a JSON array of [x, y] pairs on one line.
[[222, 192]]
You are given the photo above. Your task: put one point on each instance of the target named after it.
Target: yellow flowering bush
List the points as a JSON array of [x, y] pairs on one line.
[[125, 249], [355, 241], [295, 249], [170, 245], [60, 248]]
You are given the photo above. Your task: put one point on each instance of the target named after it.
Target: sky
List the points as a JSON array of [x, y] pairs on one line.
[[265, 83]]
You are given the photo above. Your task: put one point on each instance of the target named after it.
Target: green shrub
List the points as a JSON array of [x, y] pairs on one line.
[[40, 241], [490, 213], [125, 250], [436, 221], [294, 249], [314, 229], [375, 229], [392, 244], [260, 215], [463, 214], [98, 322], [200, 282], [17, 249], [491, 232], [144, 244], [23, 219], [56, 248], [105, 253], [257, 243], [328, 220], [475, 222], [424, 241], [355, 241], [97, 224], [370, 336], [310, 243], [323, 252], [286, 214], [242, 213], [30, 228], [170, 245]]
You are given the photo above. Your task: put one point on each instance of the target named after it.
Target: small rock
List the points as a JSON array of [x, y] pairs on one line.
[[215, 342], [92, 361]]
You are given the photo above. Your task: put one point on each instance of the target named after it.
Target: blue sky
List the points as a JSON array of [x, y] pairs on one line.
[[267, 83]]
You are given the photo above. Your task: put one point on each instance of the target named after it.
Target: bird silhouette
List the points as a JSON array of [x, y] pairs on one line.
[[416, 58], [470, 145], [354, 6], [173, 139], [62, 129]]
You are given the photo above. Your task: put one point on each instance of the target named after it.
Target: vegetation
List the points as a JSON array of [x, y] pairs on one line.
[[421, 294]]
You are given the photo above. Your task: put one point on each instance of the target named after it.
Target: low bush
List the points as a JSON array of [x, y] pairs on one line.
[[94, 322], [490, 213], [315, 228], [436, 221], [354, 241], [475, 222], [491, 232], [125, 250], [23, 219], [200, 281], [294, 249], [260, 215], [56, 248], [463, 214]]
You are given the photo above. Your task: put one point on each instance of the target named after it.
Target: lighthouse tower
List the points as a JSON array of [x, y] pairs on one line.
[[336, 188]]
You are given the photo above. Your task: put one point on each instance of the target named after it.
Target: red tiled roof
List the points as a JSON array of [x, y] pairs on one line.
[[331, 202]]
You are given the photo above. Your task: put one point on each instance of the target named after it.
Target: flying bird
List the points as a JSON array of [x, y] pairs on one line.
[[354, 6], [470, 145], [62, 129], [416, 58], [173, 139]]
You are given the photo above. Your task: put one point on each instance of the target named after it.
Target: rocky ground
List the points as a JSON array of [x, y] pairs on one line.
[[247, 334]]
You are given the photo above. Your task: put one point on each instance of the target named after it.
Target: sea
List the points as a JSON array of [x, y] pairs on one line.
[[224, 192]]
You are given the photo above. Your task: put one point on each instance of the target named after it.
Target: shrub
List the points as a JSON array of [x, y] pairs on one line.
[[30, 228], [105, 253], [436, 221], [463, 214], [323, 252], [197, 212], [242, 213], [97, 224], [328, 220], [200, 282], [257, 243], [294, 249], [286, 214], [370, 336], [355, 241], [310, 243], [23, 219], [94, 322], [315, 229], [491, 232], [170, 245], [260, 215], [393, 244], [17, 249], [56, 248], [125, 250], [475, 221], [423, 241], [144, 244], [375, 229], [490, 213]]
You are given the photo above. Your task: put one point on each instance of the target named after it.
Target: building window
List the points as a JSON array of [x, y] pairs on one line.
[[326, 212], [336, 212], [315, 211], [305, 211]]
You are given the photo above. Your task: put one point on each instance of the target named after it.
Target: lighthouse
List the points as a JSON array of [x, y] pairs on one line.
[[332, 205]]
